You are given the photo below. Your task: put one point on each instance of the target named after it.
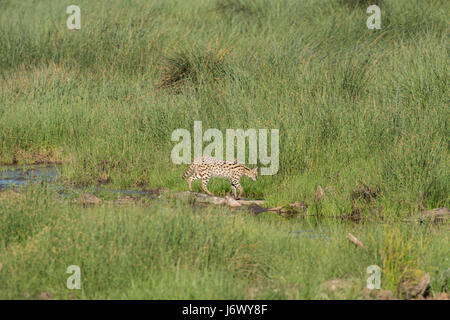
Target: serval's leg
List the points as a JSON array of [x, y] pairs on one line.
[[194, 177], [205, 180], [240, 190], [233, 188], [236, 184]]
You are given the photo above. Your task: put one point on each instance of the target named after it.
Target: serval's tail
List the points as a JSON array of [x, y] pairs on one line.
[[189, 171]]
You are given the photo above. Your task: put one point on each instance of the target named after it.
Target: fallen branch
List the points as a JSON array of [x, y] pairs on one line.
[[356, 241]]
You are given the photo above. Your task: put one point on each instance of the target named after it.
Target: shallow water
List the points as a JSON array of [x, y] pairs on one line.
[[312, 234], [15, 176]]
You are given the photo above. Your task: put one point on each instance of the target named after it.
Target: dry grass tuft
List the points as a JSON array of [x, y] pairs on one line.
[[186, 68]]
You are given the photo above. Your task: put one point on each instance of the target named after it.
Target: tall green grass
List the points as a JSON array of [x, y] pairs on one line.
[[170, 249], [350, 103]]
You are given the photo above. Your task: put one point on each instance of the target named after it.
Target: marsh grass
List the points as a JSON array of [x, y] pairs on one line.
[[400, 258], [362, 113], [234, 7], [350, 103], [355, 76], [192, 68], [361, 3], [171, 249]]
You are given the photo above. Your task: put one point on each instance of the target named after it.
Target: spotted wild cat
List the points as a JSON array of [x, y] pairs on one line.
[[206, 167]]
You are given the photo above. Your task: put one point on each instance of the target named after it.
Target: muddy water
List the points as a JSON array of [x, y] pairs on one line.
[[15, 176]]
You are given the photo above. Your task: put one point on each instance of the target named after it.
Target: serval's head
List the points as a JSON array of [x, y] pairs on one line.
[[253, 173]]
